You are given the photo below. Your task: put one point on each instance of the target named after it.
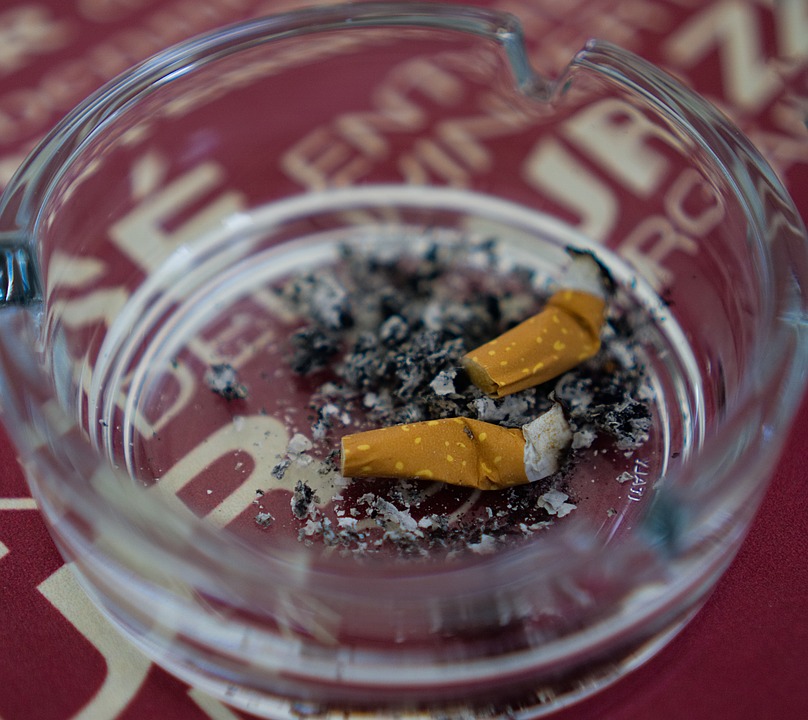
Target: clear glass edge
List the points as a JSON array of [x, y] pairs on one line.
[[106, 101]]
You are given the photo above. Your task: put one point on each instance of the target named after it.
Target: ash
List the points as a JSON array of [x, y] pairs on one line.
[[382, 337], [609, 394], [223, 380], [374, 523], [303, 501], [393, 331]]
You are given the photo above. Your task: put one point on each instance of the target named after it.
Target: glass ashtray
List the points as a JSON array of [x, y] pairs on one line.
[[235, 264]]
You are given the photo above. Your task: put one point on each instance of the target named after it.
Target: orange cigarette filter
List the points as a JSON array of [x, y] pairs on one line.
[[542, 347], [458, 451], [546, 345]]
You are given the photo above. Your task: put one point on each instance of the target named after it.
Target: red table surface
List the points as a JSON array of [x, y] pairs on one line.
[[744, 656]]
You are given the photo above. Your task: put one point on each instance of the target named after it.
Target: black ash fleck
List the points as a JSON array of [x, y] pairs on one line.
[[280, 469], [303, 501], [223, 380]]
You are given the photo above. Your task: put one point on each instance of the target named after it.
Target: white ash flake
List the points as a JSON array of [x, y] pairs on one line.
[[299, 444], [296, 455], [555, 503], [329, 416], [329, 300], [528, 530], [371, 400], [503, 410], [583, 439], [401, 518], [443, 383], [485, 546], [624, 477]]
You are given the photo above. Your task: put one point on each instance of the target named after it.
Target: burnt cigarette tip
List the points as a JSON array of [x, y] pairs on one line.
[[547, 439], [587, 272]]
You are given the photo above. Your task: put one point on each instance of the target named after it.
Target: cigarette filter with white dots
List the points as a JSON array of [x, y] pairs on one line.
[[561, 336], [460, 451]]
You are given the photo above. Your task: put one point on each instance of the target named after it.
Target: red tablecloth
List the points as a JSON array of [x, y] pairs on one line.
[[744, 656]]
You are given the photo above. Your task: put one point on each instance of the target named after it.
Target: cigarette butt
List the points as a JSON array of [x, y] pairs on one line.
[[561, 336], [460, 451]]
